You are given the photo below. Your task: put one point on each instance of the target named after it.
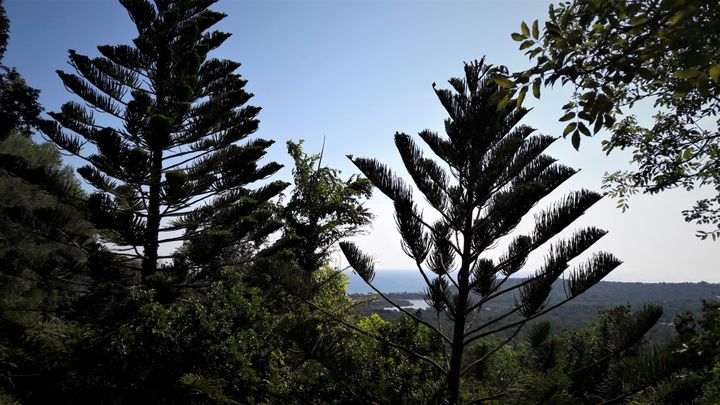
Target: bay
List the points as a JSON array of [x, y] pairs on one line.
[[388, 281]]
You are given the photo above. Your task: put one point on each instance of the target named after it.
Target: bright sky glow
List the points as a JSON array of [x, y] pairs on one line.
[[357, 72]]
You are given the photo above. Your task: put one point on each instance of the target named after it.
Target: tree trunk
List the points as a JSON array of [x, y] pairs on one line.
[[456, 354], [458, 339], [152, 225], [150, 254]]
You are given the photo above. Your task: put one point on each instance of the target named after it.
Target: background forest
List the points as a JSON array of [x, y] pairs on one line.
[[170, 264]]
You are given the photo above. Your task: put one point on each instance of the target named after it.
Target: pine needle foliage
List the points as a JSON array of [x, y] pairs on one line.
[[42, 244], [4, 30], [19, 107], [491, 172], [163, 129]]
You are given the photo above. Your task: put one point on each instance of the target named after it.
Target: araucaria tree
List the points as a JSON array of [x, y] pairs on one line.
[[19, 108], [167, 158], [493, 172]]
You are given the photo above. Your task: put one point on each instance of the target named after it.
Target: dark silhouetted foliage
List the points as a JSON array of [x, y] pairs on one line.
[[19, 108], [619, 53], [172, 170], [497, 173]]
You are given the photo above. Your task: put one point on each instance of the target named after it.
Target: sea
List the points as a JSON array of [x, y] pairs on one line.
[[388, 281], [392, 281]]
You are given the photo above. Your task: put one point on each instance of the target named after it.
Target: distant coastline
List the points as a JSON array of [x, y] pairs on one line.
[[404, 287], [410, 281]]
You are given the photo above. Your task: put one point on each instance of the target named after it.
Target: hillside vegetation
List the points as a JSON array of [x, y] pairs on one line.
[[675, 299]]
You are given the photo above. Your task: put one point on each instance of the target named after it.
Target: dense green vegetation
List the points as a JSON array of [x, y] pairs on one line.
[[175, 269]]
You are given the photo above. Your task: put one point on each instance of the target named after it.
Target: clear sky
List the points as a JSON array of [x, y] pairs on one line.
[[357, 72]]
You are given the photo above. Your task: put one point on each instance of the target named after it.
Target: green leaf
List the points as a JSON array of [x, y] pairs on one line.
[[535, 30], [575, 140], [607, 147], [609, 120], [533, 53], [715, 72], [536, 88], [525, 29], [620, 43], [585, 131], [521, 96], [687, 154], [517, 37], [503, 81], [569, 128], [598, 123], [687, 74], [639, 20], [527, 44], [567, 117], [677, 17], [505, 100]]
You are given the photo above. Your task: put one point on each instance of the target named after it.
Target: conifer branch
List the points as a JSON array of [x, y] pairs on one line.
[[493, 351]]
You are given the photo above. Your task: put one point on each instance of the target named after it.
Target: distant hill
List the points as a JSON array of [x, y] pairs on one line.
[[675, 298]]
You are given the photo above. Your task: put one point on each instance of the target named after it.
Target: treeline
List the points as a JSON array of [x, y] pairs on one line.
[[99, 305]]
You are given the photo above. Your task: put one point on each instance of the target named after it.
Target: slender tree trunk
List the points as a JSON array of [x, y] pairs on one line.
[[152, 225], [153, 218], [456, 354], [458, 340]]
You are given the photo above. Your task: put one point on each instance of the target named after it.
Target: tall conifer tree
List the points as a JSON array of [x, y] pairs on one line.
[[170, 159], [19, 108], [492, 173], [42, 244]]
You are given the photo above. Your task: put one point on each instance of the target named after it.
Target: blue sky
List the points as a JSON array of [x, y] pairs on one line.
[[357, 72]]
